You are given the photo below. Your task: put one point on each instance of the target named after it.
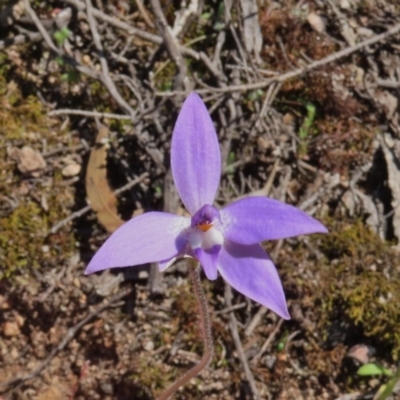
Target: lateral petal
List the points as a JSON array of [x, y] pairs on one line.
[[195, 155], [150, 237], [254, 219], [251, 272]]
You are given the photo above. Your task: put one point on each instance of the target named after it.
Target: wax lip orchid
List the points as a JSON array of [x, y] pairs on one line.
[[226, 240]]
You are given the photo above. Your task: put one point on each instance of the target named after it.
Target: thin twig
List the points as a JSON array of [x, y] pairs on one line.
[[267, 343], [46, 37], [86, 113], [105, 78], [235, 335], [171, 45], [259, 315], [229, 309], [194, 272], [15, 382], [150, 37], [21, 38], [299, 71]]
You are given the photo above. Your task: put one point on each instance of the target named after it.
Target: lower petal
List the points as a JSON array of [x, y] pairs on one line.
[[249, 270], [150, 237], [209, 260]]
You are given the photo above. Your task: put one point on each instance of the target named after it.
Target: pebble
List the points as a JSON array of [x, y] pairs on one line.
[[71, 170], [11, 329]]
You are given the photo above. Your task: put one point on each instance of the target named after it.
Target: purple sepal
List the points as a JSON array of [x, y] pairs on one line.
[[251, 272], [255, 219], [150, 237], [195, 155]]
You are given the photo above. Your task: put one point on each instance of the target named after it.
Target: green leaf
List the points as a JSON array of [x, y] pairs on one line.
[[371, 369], [386, 390], [61, 36], [206, 15], [231, 159]]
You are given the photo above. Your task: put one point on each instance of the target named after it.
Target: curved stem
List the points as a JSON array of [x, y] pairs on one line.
[[194, 272]]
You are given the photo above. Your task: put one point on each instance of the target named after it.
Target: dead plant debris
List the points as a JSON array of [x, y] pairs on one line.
[[305, 99]]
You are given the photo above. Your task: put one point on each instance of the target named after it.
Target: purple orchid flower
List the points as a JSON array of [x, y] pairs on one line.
[[226, 240]]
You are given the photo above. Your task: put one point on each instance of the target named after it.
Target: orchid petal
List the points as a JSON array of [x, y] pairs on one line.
[[150, 237], [251, 272], [195, 155], [254, 219], [208, 260]]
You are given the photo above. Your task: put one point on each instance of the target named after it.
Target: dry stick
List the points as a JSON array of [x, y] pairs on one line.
[[171, 44], [86, 209], [194, 273], [21, 38], [150, 37], [267, 343], [299, 71], [108, 82], [105, 78], [15, 382], [235, 334], [53, 47], [144, 14], [90, 114]]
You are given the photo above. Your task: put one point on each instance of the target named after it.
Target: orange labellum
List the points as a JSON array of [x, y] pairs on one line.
[[204, 227]]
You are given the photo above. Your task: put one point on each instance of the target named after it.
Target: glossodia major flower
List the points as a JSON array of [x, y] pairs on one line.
[[226, 240]]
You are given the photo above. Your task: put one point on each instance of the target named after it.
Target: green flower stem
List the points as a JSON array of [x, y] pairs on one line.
[[194, 273]]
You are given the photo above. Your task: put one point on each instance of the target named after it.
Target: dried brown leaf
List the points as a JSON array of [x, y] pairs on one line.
[[101, 198]]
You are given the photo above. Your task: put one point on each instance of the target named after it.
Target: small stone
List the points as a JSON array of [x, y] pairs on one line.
[[14, 353], [11, 329], [4, 305], [149, 346], [345, 4], [317, 22], [30, 161], [76, 282], [70, 170], [20, 320], [86, 60], [107, 388]]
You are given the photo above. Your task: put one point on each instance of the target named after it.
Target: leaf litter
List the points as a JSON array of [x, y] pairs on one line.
[[341, 289]]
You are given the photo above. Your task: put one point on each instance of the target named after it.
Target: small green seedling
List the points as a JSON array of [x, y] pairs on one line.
[[371, 369], [304, 131], [230, 169], [386, 390], [61, 36]]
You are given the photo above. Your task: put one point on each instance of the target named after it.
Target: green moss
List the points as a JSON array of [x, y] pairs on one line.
[[23, 242], [25, 222], [358, 281]]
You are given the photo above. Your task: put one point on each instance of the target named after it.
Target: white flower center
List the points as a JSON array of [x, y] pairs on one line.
[[205, 239]]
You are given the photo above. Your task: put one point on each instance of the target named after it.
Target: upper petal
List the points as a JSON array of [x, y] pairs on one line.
[[255, 219], [195, 155], [150, 237], [251, 272]]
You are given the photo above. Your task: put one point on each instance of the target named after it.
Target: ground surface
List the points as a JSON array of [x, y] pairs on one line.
[[304, 96]]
